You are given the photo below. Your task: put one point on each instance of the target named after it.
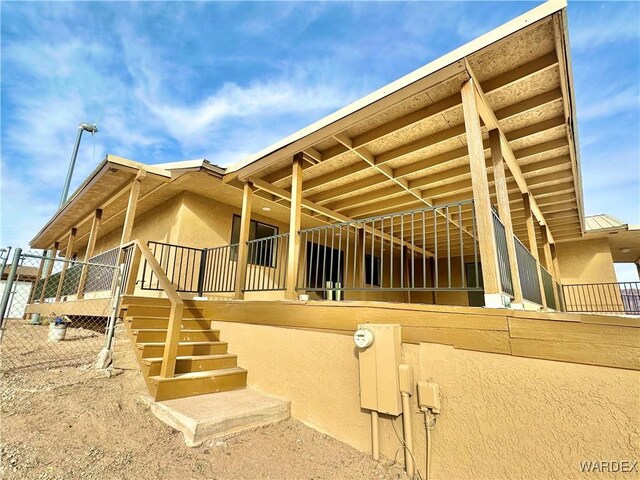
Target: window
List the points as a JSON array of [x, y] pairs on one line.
[[372, 270], [257, 230]]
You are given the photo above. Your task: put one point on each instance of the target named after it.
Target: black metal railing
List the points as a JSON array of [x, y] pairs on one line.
[[504, 267], [181, 265], [430, 249], [193, 270], [218, 270], [528, 270], [267, 264], [547, 284], [623, 297]]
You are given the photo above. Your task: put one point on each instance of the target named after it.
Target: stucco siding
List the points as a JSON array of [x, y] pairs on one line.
[[502, 416]]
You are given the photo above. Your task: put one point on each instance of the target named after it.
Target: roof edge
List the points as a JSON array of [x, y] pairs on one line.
[[540, 12]]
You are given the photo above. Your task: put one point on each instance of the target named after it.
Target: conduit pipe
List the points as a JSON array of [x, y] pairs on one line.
[[375, 436], [408, 435], [407, 389]]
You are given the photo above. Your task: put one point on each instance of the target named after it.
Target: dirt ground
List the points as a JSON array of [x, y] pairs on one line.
[[79, 423]]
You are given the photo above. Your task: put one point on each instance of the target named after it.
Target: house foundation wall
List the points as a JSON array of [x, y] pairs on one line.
[[502, 416]]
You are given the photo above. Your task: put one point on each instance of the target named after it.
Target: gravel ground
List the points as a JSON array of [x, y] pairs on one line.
[[68, 423]]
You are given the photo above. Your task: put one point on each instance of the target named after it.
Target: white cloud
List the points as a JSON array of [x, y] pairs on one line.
[[610, 103], [617, 23]]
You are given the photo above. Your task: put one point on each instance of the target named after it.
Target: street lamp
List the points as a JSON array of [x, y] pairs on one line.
[[83, 127]]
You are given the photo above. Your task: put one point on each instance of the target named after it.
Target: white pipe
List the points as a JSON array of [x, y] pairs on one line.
[[375, 436], [428, 426], [408, 435]]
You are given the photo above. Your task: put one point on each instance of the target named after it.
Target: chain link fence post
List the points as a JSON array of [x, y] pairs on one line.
[[105, 357], [7, 289]]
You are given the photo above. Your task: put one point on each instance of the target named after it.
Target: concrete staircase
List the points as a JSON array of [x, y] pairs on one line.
[[203, 364]]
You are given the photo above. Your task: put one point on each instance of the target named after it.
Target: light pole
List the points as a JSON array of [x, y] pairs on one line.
[[83, 127]]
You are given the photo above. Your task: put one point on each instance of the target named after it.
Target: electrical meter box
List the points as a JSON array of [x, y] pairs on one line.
[[379, 362]]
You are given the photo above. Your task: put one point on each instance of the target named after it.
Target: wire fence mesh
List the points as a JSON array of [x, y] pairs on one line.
[[56, 311]]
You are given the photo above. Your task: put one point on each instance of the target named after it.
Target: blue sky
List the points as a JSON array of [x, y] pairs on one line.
[[173, 81]]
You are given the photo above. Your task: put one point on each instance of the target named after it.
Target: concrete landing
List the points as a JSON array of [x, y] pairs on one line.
[[204, 417]]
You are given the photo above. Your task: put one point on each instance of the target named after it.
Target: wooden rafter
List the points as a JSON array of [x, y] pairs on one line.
[[490, 119]]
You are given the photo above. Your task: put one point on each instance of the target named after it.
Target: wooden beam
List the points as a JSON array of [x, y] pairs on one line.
[[508, 78], [67, 255], [127, 227], [548, 261], [480, 183], [491, 121], [91, 245], [285, 195], [293, 258], [49, 267], [533, 241], [245, 227], [504, 211]]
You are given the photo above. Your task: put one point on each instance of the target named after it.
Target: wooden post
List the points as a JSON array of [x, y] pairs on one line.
[[38, 276], [294, 226], [502, 196], [243, 251], [548, 261], [481, 197], [49, 267], [93, 236], [67, 255], [127, 228], [533, 243], [130, 286]]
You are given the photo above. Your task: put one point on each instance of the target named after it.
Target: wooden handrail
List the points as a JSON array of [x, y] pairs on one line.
[[168, 367]]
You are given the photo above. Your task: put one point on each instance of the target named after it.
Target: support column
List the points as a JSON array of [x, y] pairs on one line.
[[533, 242], [32, 297], [502, 196], [127, 228], [67, 255], [548, 261], [245, 225], [294, 226], [93, 236], [481, 197], [48, 268]]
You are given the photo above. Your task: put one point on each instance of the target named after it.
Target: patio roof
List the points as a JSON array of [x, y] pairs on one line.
[[404, 146], [105, 188]]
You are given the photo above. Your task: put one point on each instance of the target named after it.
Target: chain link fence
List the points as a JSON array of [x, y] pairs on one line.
[[55, 312]]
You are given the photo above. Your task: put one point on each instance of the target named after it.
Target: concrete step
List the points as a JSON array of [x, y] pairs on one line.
[[141, 323], [198, 383], [191, 363], [219, 414], [156, 349], [160, 335]]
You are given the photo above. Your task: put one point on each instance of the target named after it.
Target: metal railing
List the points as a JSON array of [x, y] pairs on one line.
[[547, 284], [181, 265], [430, 249], [193, 270], [218, 270], [528, 270], [267, 264], [622, 297], [504, 267], [99, 277]]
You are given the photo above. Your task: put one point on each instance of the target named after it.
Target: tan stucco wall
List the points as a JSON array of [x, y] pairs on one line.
[[502, 416], [161, 224], [586, 261]]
